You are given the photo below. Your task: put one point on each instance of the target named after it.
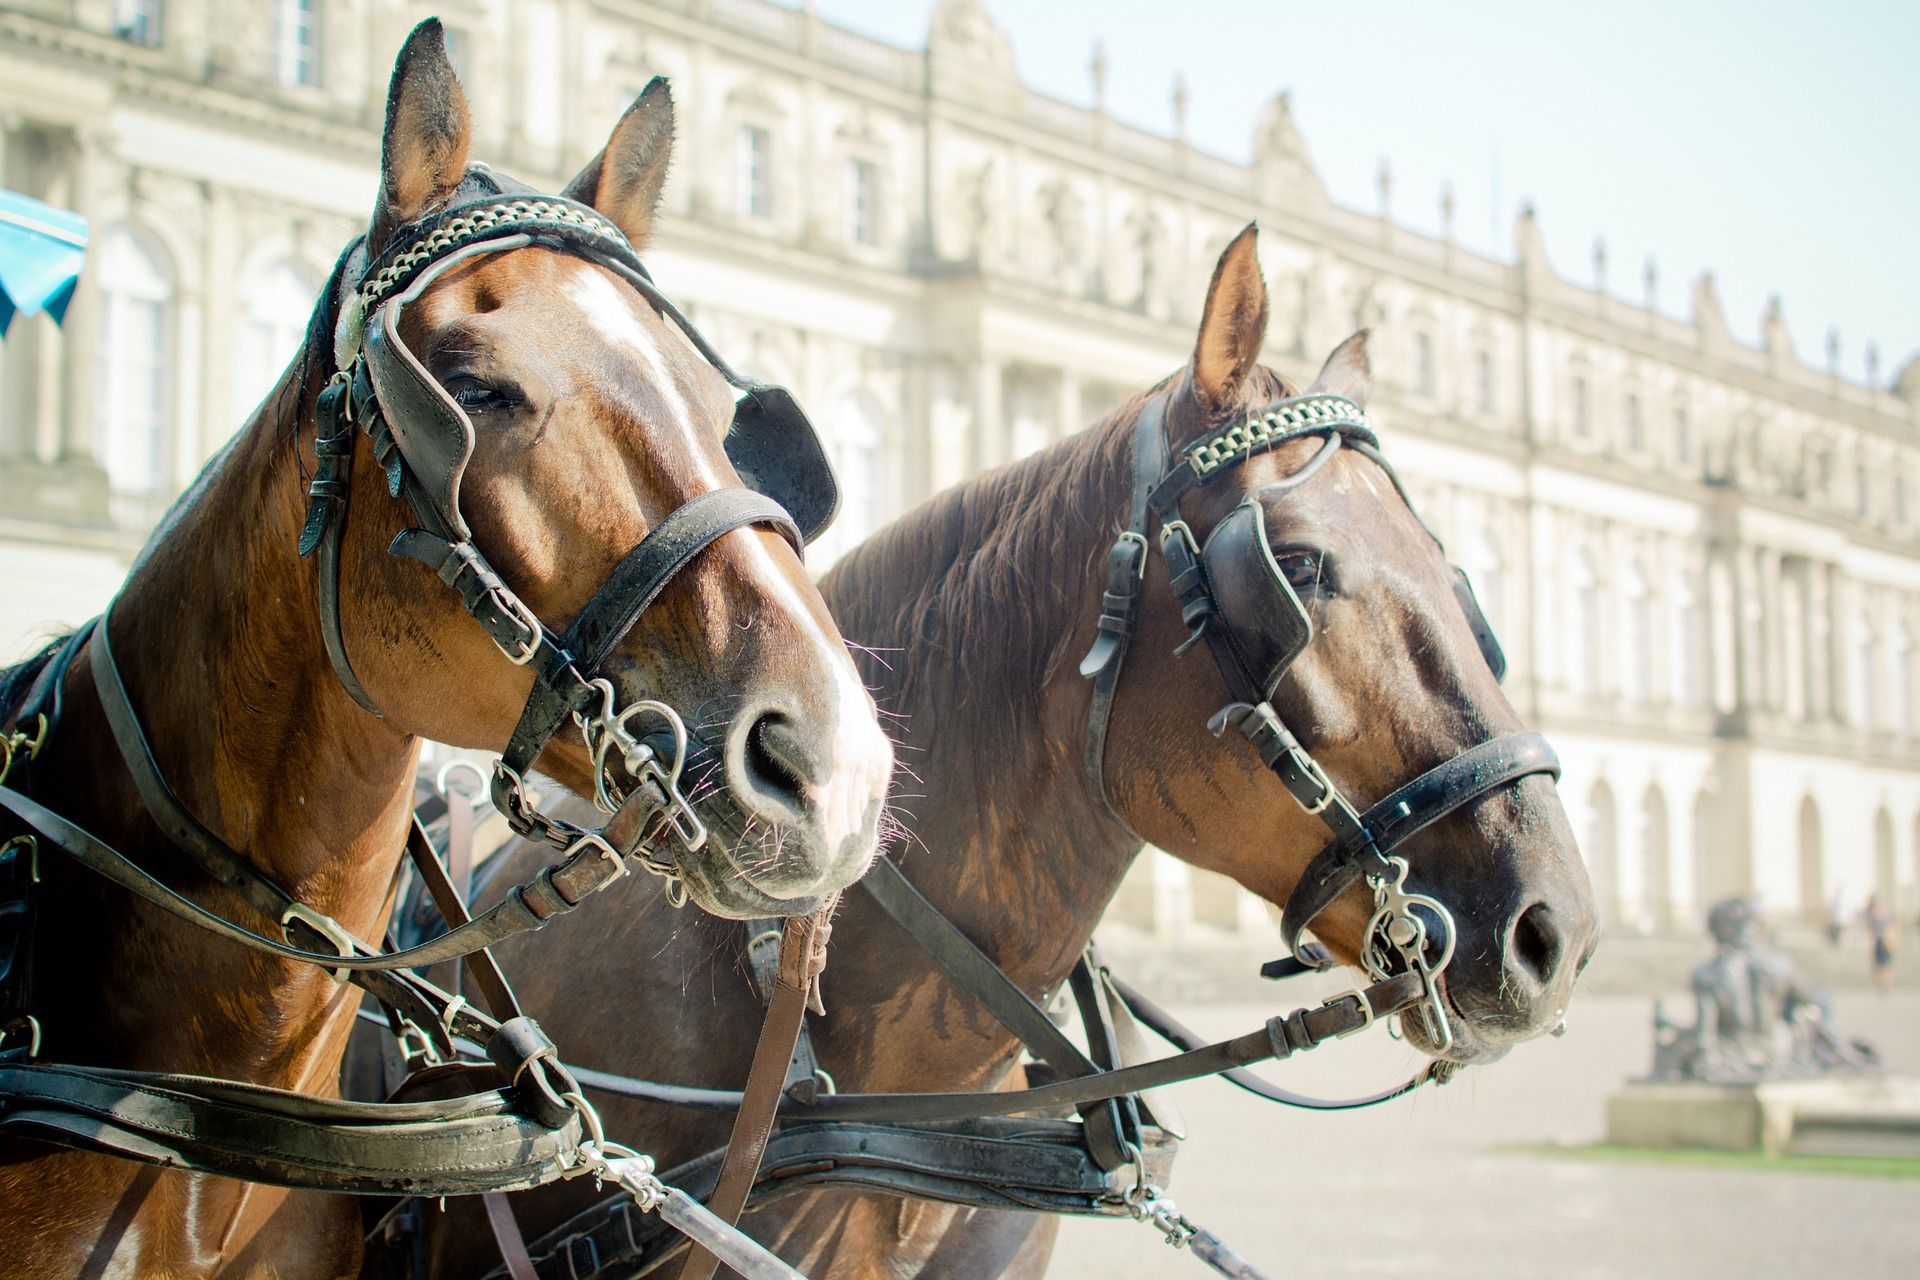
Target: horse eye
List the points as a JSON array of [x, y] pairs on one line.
[[476, 396], [1303, 570]]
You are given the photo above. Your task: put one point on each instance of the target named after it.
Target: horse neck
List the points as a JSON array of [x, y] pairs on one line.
[[981, 596], [217, 640]]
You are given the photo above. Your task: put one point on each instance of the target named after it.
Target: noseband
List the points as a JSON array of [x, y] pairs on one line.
[[423, 440], [1235, 599]]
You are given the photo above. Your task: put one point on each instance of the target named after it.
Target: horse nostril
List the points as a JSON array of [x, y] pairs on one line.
[[1536, 945], [778, 759]]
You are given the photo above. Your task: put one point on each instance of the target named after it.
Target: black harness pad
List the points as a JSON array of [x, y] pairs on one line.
[[1266, 620], [777, 452], [1477, 623]]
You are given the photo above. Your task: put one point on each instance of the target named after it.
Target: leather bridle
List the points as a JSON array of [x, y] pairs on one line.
[[1408, 932], [423, 439]]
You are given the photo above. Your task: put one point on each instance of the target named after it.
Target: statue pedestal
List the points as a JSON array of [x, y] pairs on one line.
[[1836, 1115]]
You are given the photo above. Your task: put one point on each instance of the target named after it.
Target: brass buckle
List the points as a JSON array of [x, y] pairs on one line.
[[11, 744]]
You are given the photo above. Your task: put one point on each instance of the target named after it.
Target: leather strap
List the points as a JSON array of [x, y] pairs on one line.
[[766, 1082], [1013, 1008], [506, 1234]]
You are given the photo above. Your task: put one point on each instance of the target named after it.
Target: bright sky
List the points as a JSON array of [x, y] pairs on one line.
[[1776, 144]]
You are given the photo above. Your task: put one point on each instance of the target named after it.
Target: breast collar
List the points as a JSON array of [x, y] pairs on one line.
[[1408, 932]]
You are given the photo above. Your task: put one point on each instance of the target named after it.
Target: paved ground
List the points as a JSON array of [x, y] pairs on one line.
[[1419, 1188]]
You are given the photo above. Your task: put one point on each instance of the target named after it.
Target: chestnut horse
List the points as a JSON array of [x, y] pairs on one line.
[[593, 420], [971, 613]]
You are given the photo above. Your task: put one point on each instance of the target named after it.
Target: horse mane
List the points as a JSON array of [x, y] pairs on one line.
[[17, 679], [955, 590]]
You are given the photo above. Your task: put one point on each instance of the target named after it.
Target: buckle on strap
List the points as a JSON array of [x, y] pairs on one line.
[[324, 925], [1359, 997]]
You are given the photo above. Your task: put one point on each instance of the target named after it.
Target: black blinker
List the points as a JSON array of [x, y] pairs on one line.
[[776, 451]]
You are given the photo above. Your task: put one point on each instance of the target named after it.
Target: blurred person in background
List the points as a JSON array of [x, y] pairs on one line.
[[1879, 922]]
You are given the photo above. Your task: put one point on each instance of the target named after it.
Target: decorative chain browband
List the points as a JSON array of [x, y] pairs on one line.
[[481, 220], [1262, 429]]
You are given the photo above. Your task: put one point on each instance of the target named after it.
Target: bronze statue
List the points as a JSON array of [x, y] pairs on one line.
[[1757, 1018]]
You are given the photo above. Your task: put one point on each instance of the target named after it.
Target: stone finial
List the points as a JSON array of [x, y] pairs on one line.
[[1650, 279], [1600, 263], [1446, 210], [1181, 100], [1833, 349], [1097, 67], [1773, 328], [1528, 243], [1384, 181], [1873, 365], [1709, 317]]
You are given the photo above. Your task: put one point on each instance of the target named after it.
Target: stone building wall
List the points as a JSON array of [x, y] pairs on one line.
[[1701, 555]]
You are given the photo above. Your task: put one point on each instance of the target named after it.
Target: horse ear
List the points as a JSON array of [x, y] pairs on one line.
[[625, 179], [424, 152], [1347, 371], [1233, 325]]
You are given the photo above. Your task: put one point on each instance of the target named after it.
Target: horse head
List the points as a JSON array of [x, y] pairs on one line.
[[544, 410], [1373, 657]]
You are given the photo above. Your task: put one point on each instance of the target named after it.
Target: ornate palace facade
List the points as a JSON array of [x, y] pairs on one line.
[[1704, 558]]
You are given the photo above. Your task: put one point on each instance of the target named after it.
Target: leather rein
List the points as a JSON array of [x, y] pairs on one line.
[[956, 1147]]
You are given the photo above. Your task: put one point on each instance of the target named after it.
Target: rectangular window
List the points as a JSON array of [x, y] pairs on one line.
[[1861, 491], [753, 195], [1682, 436], [296, 41], [1582, 410], [1423, 364], [1899, 499], [1484, 374], [863, 202], [1636, 432], [138, 21]]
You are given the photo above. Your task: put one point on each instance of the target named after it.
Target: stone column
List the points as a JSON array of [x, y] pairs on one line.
[[1772, 669], [990, 444], [1070, 412], [219, 414], [74, 427], [1823, 672], [1725, 641]]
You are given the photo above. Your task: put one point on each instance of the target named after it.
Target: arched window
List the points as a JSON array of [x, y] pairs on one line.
[[1813, 868], [1583, 639], [1656, 866], [1602, 850], [274, 304], [1486, 567], [855, 440], [133, 403], [1636, 600]]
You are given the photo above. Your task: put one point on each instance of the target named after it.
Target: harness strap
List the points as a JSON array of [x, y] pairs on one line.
[[1126, 569], [1414, 807], [1022, 1165], [766, 1081], [456, 1147], [1109, 1130]]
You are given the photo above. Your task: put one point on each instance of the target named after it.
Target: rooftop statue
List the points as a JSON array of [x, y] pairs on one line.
[[1757, 1018]]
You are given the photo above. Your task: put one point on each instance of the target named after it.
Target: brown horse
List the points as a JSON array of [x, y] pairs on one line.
[[594, 420], [972, 612]]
